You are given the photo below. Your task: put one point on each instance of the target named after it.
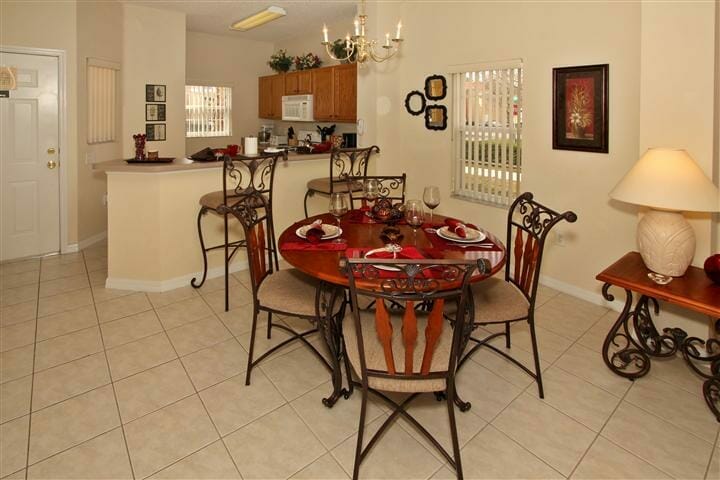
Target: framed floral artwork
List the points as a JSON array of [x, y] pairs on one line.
[[580, 108]]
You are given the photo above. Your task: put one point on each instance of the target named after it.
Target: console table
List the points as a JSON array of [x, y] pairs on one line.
[[633, 338]]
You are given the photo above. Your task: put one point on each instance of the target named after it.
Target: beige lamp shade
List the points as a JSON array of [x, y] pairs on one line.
[[668, 179]]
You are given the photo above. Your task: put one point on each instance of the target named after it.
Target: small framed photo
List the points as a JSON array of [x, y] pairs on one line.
[[155, 132], [154, 112], [155, 93], [580, 108]]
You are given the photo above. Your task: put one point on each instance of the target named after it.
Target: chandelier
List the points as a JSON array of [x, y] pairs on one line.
[[358, 48]]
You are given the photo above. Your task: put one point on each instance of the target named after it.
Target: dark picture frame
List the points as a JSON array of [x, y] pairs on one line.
[[436, 117], [155, 132], [409, 99], [431, 87], [155, 93], [580, 108], [154, 112]]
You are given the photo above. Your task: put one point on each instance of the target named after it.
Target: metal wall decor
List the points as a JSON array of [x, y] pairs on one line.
[[155, 132], [411, 102], [580, 108], [435, 87], [436, 117], [154, 112], [155, 93]]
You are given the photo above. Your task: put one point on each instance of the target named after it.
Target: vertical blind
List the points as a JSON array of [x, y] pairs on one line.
[[101, 100], [488, 133], [208, 111]]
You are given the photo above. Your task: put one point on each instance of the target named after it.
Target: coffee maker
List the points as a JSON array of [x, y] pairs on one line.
[[265, 133]]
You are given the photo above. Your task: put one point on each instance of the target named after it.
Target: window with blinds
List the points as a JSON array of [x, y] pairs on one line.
[[487, 132], [102, 90], [208, 111]]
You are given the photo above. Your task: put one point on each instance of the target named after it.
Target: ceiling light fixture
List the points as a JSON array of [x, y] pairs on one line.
[[260, 18], [358, 48]]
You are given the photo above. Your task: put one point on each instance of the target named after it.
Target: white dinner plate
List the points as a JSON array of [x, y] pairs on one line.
[[388, 268], [472, 235], [331, 231]]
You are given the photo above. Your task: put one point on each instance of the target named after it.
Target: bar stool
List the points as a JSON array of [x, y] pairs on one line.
[[344, 162], [240, 176]]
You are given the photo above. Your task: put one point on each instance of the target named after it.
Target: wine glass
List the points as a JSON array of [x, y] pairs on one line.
[[414, 215], [338, 207], [371, 189], [431, 197]]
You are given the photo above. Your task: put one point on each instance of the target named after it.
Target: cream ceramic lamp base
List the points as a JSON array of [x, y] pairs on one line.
[[666, 242]]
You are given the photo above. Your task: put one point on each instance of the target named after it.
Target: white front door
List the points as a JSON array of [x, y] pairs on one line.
[[29, 159]]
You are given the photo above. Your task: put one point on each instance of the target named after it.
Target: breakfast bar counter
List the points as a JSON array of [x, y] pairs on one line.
[[152, 217]]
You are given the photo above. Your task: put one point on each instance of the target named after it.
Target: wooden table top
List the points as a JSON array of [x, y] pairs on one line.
[[694, 290], [324, 264]]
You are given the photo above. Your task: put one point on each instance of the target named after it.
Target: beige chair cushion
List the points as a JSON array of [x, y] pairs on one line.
[[322, 185], [290, 291], [375, 358], [497, 300], [213, 200]]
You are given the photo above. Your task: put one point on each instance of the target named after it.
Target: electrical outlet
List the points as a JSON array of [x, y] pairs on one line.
[[89, 157], [560, 239], [104, 199]]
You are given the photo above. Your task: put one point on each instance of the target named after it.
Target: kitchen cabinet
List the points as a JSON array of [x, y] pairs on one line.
[[298, 83], [270, 91], [335, 93]]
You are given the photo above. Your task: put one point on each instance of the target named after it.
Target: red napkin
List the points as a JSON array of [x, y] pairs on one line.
[[456, 226], [316, 232]]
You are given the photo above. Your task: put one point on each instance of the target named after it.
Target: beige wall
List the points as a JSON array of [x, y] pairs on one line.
[[231, 62], [310, 41], [50, 24], [153, 53], [677, 87], [100, 35]]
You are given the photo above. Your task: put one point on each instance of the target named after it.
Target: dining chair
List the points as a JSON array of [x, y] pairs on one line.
[[240, 175], [390, 187], [284, 292], [404, 350], [504, 301], [344, 162]]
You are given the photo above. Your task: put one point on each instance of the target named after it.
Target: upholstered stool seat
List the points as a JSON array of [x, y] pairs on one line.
[[214, 200], [375, 357], [322, 185]]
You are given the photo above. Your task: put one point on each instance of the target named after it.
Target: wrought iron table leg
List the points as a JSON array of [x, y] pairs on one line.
[[711, 387], [629, 360], [330, 327]]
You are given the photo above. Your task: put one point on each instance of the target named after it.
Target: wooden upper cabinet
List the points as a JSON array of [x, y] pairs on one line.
[[298, 83], [323, 97], [335, 93], [278, 90], [265, 97], [345, 92]]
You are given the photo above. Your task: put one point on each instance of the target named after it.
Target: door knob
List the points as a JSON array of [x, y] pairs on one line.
[[51, 151], [51, 164]]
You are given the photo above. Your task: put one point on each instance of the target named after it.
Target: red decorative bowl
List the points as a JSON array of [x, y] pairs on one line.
[[712, 268]]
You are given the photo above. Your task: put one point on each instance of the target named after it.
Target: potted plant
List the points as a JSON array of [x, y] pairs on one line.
[[280, 61], [307, 61], [338, 51]]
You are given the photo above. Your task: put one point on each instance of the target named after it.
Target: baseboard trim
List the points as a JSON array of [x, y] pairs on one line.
[[171, 284], [581, 293], [90, 241], [70, 248]]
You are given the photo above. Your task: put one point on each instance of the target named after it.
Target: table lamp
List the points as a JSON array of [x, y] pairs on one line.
[[669, 182]]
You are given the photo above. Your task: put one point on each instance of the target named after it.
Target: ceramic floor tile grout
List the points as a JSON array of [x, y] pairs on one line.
[[107, 364], [32, 385], [713, 452], [197, 393]]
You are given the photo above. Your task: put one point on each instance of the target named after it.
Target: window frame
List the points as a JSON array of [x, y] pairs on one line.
[[227, 113], [111, 121]]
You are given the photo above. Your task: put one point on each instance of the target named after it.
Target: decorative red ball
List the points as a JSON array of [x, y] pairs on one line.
[[712, 268]]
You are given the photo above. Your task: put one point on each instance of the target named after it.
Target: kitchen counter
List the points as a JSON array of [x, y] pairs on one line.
[[184, 164], [153, 210]]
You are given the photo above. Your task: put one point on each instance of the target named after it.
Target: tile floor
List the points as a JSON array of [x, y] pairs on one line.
[[99, 383]]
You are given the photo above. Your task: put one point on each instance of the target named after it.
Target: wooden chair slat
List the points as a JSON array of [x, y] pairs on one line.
[[384, 330], [432, 334], [524, 280], [261, 249], [533, 265], [409, 331], [518, 253]]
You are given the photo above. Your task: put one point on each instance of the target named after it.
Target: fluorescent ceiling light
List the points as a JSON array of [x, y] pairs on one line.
[[260, 18]]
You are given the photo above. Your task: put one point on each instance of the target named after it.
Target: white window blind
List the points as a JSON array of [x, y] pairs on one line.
[[208, 111], [101, 100], [487, 137]]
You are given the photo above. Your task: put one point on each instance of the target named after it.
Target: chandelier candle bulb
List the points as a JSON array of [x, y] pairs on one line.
[[325, 34], [398, 30], [357, 27], [387, 39]]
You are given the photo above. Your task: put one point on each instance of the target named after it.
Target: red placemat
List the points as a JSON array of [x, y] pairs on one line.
[[359, 216]]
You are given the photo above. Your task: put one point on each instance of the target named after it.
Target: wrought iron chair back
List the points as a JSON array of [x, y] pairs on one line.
[[349, 162], [390, 187], [528, 226], [248, 174]]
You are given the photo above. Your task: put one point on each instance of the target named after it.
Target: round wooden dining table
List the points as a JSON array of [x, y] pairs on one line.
[[324, 264], [322, 261]]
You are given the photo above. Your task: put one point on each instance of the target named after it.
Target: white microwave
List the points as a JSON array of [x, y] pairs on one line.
[[297, 108]]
